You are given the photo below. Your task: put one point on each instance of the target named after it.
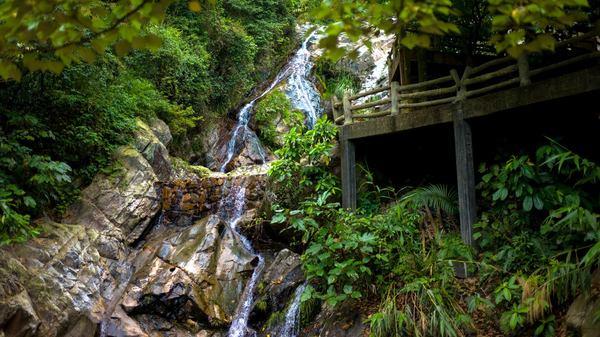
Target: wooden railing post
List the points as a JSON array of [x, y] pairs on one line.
[[348, 168], [523, 65], [394, 93], [333, 109], [461, 88], [347, 109]]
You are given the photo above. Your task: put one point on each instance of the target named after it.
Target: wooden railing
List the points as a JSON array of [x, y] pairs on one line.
[[476, 81]]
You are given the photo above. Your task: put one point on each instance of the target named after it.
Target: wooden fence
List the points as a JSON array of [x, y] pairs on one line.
[[475, 81]]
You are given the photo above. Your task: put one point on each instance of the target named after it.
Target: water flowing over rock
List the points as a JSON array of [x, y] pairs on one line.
[[299, 87], [243, 146], [290, 327], [196, 274], [283, 275]]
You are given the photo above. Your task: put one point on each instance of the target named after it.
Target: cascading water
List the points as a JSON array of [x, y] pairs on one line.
[[290, 327], [231, 209], [300, 90], [303, 96]]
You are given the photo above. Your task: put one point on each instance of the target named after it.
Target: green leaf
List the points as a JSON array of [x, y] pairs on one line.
[[538, 203], [527, 203], [29, 202]]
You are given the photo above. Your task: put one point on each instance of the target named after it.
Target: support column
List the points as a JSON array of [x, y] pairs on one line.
[[348, 159], [465, 174]]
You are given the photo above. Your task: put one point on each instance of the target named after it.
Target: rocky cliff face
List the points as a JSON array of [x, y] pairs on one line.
[[144, 252]]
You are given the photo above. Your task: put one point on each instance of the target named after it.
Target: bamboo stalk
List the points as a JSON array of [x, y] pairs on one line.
[[373, 115], [426, 83], [433, 92], [564, 63], [489, 64], [347, 110], [493, 87]]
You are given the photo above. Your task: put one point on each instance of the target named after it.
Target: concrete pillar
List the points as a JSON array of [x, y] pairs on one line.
[[465, 174], [348, 158]]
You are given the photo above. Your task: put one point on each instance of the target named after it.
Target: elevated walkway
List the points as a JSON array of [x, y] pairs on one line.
[[497, 86]]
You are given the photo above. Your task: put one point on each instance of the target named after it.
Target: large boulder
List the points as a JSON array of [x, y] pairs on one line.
[[123, 203], [280, 279], [66, 281], [121, 263], [197, 273], [345, 321], [56, 284], [582, 313], [151, 141]]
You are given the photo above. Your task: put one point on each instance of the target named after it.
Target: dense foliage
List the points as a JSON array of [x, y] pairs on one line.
[[538, 238], [50, 34], [59, 130], [517, 26], [540, 228], [335, 79]]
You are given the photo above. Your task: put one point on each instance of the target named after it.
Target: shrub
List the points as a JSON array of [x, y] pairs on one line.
[[274, 109], [540, 225], [59, 131], [179, 70], [335, 79]]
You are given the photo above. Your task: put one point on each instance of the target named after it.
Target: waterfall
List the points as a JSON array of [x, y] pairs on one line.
[[303, 96], [300, 90], [231, 209], [290, 327]]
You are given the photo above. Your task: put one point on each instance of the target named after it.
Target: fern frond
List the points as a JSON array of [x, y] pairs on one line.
[[437, 197]]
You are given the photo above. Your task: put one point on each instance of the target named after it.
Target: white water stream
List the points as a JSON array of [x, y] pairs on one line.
[[300, 90], [231, 209], [303, 96], [290, 327]]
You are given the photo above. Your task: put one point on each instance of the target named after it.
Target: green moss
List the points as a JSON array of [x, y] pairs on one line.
[[335, 79], [181, 164], [275, 319], [261, 305]]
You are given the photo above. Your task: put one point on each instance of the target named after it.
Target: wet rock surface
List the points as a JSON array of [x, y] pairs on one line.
[[581, 316], [196, 274], [198, 196], [280, 279], [56, 284], [347, 321], [150, 249], [118, 266]]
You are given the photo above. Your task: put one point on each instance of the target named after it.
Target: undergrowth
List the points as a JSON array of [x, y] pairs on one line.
[[538, 241]]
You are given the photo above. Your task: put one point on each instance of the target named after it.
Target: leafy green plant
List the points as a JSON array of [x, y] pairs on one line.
[[275, 109], [371, 197], [541, 227], [40, 180]]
